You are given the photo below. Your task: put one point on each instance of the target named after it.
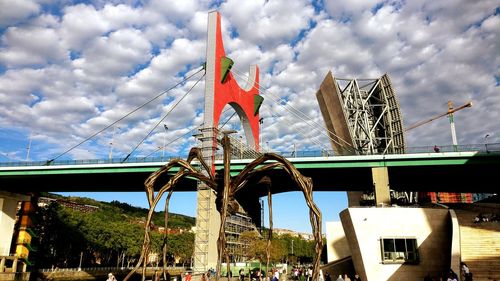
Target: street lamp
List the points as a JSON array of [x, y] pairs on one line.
[[29, 148], [164, 141], [486, 142], [80, 266], [110, 156], [241, 147]]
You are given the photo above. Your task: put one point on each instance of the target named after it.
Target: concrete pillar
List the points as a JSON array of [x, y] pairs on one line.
[[380, 178], [14, 264], [353, 198], [2, 264], [8, 210]]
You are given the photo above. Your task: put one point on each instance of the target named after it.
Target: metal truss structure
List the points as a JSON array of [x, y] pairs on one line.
[[362, 116]]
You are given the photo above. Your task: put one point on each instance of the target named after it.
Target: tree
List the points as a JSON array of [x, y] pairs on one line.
[[256, 247]]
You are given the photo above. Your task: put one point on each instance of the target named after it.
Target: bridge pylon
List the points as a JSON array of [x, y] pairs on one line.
[[221, 89]]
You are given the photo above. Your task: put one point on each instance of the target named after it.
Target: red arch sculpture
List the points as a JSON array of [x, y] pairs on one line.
[[222, 88]]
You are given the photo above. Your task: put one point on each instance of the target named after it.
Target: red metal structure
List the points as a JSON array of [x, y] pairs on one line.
[[222, 89]]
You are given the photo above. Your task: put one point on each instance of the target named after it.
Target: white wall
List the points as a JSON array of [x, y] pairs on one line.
[[364, 227], [336, 243]]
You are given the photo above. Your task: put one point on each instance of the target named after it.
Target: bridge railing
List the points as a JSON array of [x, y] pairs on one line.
[[480, 148], [107, 269]]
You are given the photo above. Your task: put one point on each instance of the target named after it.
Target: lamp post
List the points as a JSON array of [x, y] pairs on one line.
[[80, 266], [452, 126], [241, 147], [164, 141], [110, 156], [486, 142], [29, 148]]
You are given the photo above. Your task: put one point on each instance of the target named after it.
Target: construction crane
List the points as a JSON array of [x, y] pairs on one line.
[[450, 112]]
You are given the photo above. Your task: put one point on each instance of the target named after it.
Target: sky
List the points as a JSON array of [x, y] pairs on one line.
[[69, 69]]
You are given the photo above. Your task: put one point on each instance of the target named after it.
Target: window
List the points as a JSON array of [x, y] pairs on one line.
[[399, 250]]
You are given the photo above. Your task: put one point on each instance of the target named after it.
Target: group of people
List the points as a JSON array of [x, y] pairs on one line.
[[344, 277], [452, 276], [208, 275], [303, 274], [485, 218]]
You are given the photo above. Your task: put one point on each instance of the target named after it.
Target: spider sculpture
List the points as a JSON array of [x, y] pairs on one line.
[[226, 189]]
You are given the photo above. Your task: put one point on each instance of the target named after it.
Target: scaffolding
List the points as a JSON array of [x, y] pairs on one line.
[[235, 225]]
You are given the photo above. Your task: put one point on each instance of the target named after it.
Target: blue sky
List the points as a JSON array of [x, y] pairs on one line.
[[69, 69], [289, 209]]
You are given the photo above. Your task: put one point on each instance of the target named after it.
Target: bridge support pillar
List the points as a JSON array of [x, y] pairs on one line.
[[380, 177], [8, 210], [353, 198]]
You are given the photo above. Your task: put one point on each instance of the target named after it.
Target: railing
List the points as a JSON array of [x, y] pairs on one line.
[[109, 269], [481, 148]]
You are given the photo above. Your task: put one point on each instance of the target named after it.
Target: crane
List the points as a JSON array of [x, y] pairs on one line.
[[450, 112]]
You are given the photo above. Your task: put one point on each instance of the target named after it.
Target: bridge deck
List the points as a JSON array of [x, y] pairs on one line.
[[450, 171]]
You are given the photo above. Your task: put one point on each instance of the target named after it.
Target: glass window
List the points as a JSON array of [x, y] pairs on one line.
[[399, 250]]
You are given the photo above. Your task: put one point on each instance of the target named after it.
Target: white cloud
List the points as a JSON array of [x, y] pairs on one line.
[[74, 73], [119, 53], [25, 46], [268, 23], [80, 25], [16, 11]]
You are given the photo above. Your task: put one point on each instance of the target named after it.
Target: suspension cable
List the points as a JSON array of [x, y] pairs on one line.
[[299, 130], [179, 137], [296, 112], [164, 117], [125, 116], [174, 140], [230, 117]]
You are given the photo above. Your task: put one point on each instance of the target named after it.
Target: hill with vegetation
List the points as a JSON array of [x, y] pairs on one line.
[[110, 235]]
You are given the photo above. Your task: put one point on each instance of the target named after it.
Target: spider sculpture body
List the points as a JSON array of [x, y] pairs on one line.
[[225, 201]]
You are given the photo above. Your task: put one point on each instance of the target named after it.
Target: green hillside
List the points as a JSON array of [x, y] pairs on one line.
[[109, 235]]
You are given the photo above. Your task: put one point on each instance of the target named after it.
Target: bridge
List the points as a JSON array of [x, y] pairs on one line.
[[469, 171]]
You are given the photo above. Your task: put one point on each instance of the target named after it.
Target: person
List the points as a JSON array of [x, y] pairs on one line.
[[478, 218], [340, 278], [242, 274], [356, 277], [346, 278], [111, 277], [203, 277], [436, 149], [328, 277], [259, 274], [301, 276], [276, 275], [452, 276], [466, 271], [187, 276]]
